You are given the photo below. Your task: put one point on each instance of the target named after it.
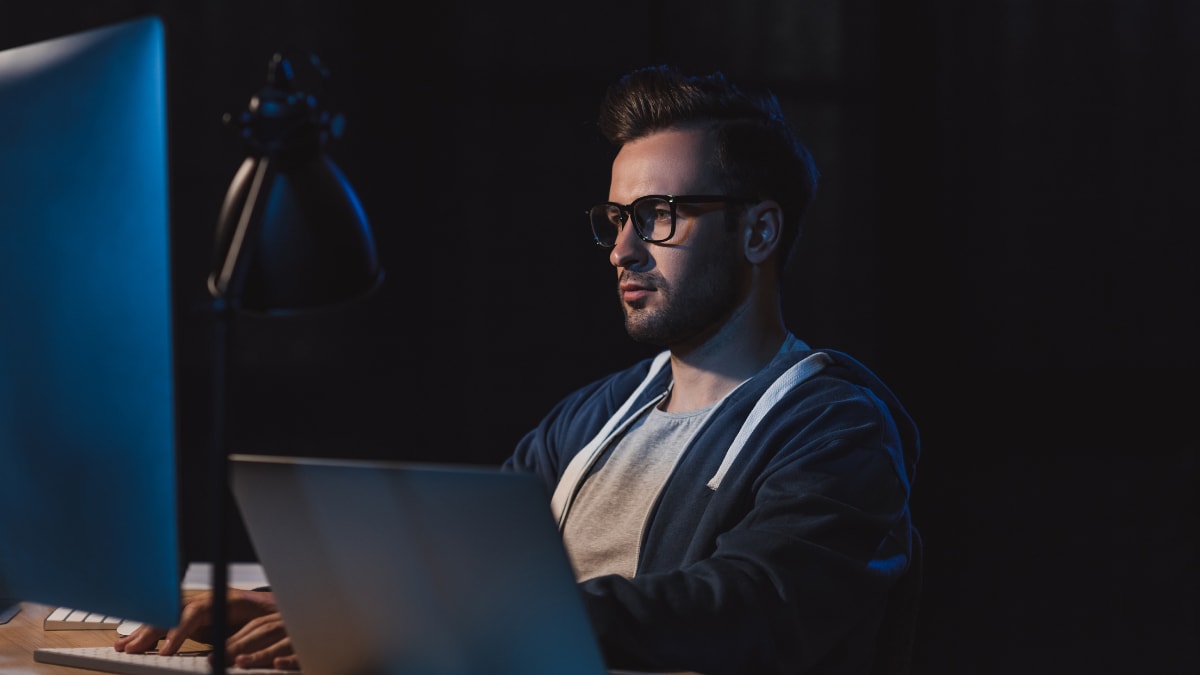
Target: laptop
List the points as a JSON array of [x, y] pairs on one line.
[[385, 567]]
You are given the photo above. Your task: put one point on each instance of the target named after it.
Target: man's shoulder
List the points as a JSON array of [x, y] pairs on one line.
[[831, 363], [815, 377]]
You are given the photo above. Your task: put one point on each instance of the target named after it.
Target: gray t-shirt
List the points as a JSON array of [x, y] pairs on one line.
[[603, 531]]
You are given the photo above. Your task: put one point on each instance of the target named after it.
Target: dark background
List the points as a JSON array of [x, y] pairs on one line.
[[1006, 231]]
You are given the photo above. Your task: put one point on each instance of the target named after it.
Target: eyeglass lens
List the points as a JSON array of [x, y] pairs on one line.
[[652, 220]]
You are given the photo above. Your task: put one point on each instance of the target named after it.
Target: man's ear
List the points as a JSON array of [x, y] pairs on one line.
[[764, 224]]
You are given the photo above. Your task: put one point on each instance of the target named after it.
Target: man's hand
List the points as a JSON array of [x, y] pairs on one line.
[[253, 612], [262, 643]]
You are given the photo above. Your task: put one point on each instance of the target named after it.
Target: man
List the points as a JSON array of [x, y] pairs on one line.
[[739, 503]]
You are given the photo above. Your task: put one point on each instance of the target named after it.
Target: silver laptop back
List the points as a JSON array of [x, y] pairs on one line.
[[413, 568]]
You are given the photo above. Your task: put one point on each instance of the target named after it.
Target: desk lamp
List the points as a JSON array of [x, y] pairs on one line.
[[291, 237]]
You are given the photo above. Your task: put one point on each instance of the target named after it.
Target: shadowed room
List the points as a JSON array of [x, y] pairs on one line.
[[1005, 230]]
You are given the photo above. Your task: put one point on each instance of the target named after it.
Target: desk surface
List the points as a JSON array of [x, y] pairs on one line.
[[24, 633]]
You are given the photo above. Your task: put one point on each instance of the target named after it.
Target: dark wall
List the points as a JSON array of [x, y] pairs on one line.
[[1005, 230]]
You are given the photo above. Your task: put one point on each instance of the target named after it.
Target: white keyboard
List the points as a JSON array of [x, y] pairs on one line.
[[109, 660]]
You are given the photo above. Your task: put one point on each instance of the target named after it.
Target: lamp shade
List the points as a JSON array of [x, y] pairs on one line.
[[292, 234]]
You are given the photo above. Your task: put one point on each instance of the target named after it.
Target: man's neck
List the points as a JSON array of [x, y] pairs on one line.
[[703, 374]]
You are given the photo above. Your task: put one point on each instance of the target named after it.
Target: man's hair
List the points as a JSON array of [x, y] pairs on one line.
[[759, 155]]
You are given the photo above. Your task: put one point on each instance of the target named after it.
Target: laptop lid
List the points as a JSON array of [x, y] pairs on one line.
[[388, 567]]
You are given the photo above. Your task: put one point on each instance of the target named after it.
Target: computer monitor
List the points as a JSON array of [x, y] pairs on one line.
[[88, 512]]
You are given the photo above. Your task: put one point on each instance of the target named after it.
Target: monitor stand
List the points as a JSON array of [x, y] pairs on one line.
[[8, 609]]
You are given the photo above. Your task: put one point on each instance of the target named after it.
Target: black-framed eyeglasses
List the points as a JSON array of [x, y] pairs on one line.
[[653, 216]]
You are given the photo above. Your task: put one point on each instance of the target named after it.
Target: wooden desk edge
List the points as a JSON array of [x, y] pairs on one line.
[[24, 633]]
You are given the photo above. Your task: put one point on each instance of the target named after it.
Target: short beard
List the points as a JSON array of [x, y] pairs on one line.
[[696, 309]]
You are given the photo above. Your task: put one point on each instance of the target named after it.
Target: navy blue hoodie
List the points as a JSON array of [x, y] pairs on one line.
[[773, 545]]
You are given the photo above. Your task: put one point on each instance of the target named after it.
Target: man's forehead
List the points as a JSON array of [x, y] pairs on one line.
[[672, 161]]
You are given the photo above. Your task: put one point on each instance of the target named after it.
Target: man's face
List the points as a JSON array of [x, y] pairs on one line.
[[684, 289]]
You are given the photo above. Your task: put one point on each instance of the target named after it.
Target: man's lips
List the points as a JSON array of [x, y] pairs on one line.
[[632, 292]]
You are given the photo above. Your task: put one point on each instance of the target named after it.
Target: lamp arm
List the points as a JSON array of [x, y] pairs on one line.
[[225, 284], [218, 465], [226, 280]]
